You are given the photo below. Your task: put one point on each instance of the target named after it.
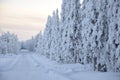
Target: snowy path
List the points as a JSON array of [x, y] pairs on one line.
[[30, 66], [27, 69]]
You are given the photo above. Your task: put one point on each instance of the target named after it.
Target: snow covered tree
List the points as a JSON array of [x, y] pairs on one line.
[[102, 35], [88, 34], [39, 43], [98, 26], [55, 36], [70, 20], [89, 17], [113, 46], [9, 43]]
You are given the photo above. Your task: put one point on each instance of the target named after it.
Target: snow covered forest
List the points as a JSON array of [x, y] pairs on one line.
[[9, 43], [87, 33]]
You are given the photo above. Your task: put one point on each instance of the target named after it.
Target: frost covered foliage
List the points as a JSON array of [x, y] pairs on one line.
[[87, 33], [9, 43], [101, 34]]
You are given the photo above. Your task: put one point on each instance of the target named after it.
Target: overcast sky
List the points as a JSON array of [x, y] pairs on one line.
[[25, 17]]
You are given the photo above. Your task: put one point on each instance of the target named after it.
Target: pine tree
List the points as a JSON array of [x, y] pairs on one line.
[[47, 37], [88, 31], [114, 37], [9, 43], [74, 30], [70, 28], [56, 35]]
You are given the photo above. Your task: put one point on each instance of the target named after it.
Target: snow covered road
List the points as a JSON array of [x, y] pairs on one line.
[[27, 69], [30, 66]]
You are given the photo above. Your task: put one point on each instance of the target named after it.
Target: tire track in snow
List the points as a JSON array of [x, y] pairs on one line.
[[47, 69], [26, 68]]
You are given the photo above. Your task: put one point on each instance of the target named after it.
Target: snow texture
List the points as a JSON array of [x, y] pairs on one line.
[[32, 66]]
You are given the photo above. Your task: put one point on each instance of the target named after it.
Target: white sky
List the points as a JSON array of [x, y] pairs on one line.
[[26, 17]]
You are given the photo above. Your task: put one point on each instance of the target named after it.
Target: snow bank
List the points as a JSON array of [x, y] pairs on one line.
[[72, 71], [60, 68]]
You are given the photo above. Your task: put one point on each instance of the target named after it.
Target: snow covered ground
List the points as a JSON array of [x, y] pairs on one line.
[[30, 66]]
